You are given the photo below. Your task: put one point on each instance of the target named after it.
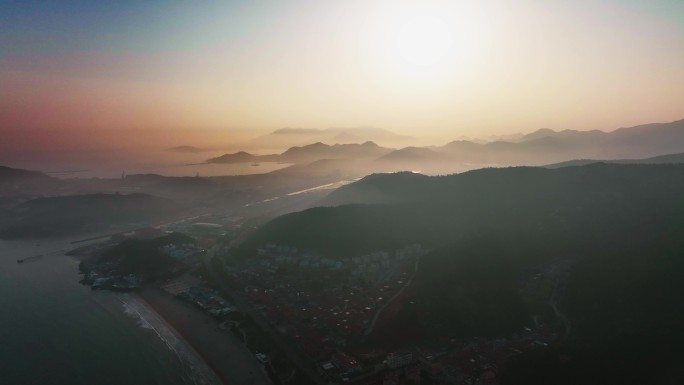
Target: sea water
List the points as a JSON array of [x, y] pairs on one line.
[[56, 331]]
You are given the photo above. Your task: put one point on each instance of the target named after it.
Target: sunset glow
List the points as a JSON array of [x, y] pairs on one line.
[[423, 41], [439, 68]]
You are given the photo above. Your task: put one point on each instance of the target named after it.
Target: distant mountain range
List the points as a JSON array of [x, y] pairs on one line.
[[310, 153], [320, 150], [289, 137], [547, 146], [541, 147], [185, 149], [244, 157], [663, 159]]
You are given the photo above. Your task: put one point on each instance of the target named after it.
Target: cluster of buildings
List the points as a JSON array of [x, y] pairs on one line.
[[370, 268], [105, 277], [186, 253], [472, 361], [324, 305], [189, 288], [272, 257], [376, 368], [477, 360], [105, 274]]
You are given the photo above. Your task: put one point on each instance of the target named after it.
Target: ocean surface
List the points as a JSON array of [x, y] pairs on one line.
[[55, 331]]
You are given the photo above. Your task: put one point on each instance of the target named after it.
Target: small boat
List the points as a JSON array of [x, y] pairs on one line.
[[20, 261]]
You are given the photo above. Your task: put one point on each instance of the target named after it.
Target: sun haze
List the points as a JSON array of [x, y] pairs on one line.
[[422, 68]]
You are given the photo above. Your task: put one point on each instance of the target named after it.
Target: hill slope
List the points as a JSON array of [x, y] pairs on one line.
[[83, 213], [607, 239], [407, 208], [13, 174], [663, 159]]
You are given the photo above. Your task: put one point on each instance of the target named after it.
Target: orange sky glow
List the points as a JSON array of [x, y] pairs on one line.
[[234, 71]]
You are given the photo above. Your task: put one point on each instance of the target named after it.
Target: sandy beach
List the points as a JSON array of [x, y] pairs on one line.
[[213, 356], [229, 360]]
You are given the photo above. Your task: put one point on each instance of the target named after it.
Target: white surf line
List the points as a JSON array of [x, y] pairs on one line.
[[202, 374], [149, 325]]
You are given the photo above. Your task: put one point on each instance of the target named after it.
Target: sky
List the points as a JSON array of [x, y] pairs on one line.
[[75, 71]]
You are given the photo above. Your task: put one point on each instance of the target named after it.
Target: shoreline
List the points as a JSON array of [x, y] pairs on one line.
[[49, 277], [209, 355], [213, 356], [230, 362], [200, 370]]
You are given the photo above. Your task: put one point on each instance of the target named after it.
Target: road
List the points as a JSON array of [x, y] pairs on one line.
[[369, 330]]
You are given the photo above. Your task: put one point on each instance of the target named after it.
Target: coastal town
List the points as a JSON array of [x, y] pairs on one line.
[[308, 318]]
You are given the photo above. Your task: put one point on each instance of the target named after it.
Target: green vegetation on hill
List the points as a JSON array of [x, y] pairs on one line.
[[386, 211], [610, 237], [469, 287], [144, 256], [622, 299], [663, 159]]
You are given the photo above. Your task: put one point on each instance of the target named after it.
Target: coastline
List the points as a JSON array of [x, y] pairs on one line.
[[148, 318], [212, 356], [77, 335], [224, 358]]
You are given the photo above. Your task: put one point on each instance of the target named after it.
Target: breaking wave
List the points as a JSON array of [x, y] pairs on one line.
[[194, 366]]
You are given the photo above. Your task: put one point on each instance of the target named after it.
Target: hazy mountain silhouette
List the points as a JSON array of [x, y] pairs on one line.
[[15, 174], [546, 146], [409, 154], [186, 149], [244, 157], [288, 137], [310, 153], [320, 150], [542, 147], [567, 135], [663, 159]]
